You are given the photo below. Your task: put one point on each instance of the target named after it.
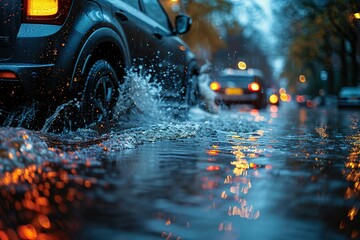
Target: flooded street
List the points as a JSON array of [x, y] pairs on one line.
[[179, 119], [279, 173]]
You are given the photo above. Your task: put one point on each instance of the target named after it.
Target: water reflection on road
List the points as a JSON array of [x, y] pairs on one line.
[[280, 173]]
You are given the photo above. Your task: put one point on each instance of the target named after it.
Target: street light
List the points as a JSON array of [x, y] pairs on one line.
[[302, 78], [242, 65]]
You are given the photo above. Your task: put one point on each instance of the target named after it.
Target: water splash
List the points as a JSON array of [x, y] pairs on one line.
[[140, 98], [33, 116], [208, 96], [22, 117], [49, 121]]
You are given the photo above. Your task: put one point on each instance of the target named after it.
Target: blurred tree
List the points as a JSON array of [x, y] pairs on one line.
[[341, 15], [245, 48], [217, 34], [211, 20], [320, 35]]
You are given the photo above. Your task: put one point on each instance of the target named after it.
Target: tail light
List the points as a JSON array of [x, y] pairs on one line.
[[254, 87], [215, 86], [46, 11], [300, 98], [8, 75]]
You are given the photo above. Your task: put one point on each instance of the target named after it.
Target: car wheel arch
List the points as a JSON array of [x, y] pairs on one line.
[[103, 43]]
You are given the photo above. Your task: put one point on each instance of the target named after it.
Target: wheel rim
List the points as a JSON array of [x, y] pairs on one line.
[[104, 98]]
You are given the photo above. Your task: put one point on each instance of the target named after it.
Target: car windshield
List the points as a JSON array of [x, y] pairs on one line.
[[238, 80], [350, 91]]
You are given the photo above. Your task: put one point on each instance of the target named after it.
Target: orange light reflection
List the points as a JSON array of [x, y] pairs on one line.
[[352, 175]]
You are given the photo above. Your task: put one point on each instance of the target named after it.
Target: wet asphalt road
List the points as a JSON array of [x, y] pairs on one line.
[[279, 173]]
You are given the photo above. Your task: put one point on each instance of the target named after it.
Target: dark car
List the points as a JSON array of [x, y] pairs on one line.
[[59, 51], [240, 87]]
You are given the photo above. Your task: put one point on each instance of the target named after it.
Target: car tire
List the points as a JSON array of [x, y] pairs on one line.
[[258, 105], [192, 92], [100, 95]]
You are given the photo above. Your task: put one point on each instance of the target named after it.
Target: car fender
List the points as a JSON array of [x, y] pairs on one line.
[[94, 24], [92, 41]]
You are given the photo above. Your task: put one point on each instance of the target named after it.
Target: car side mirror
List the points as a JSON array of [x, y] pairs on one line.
[[182, 24]]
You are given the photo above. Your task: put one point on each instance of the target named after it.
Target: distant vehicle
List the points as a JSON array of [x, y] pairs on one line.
[[58, 51], [349, 97], [240, 87]]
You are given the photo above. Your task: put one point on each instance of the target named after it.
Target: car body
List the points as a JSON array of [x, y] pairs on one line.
[[349, 97], [57, 51], [240, 87]]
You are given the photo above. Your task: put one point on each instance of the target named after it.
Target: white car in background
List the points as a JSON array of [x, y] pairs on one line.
[[349, 97]]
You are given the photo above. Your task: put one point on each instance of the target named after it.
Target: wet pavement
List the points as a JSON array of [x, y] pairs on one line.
[[279, 173]]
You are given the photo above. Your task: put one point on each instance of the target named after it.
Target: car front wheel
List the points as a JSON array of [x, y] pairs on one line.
[[192, 92], [100, 95]]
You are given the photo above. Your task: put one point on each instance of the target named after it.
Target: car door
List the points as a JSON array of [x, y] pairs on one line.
[[169, 58], [132, 20]]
